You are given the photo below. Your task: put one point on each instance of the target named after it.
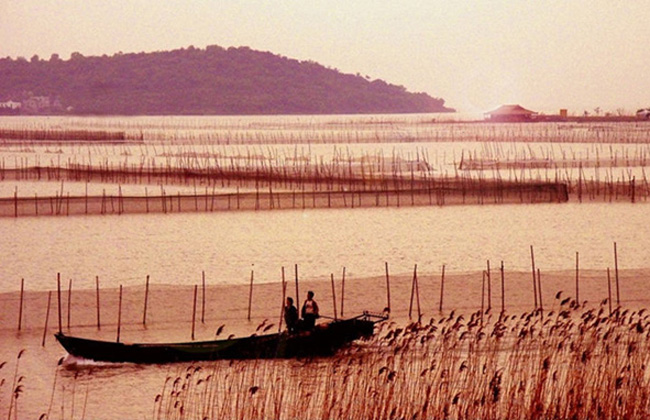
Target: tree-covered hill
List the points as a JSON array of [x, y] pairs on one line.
[[196, 81]]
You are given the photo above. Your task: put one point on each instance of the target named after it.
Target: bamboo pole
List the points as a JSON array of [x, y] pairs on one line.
[[69, 301], [284, 297], [442, 286], [47, 316], [577, 278], [412, 294], [482, 295], [203, 297], [618, 296], [250, 296], [387, 287], [342, 291], [503, 289], [297, 295], [532, 259], [489, 286], [58, 293], [20, 307], [334, 297], [196, 289], [146, 301], [97, 289], [417, 291], [119, 315], [539, 290], [609, 291]]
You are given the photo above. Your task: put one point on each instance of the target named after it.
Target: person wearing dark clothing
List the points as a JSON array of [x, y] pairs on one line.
[[309, 311], [291, 316]]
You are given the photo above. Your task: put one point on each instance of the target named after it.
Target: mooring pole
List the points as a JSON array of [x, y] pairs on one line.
[[417, 291], [532, 259], [203, 297], [442, 286], [284, 294], [97, 288], [578, 279], [119, 315], [489, 286], [482, 295], [69, 301], [387, 287], [297, 295], [250, 296], [20, 308], [58, 293], [539, 290], [342, 291], [47, 316], [196, 289], [503, 289], [618, 296], [146, 299], [334, 296], [609, 291], [412, 295]]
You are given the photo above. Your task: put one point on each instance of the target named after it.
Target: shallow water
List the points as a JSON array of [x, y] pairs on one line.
[[176, 248]]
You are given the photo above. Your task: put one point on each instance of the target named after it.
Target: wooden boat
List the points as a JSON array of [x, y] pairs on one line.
[[323, 340]]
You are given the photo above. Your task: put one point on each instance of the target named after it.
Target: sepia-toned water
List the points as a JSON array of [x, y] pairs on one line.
[[174, 250], [177, 248]]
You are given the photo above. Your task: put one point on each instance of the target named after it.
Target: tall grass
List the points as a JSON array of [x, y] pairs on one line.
[[571, 362]]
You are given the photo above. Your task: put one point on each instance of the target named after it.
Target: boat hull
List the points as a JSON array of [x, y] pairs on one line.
[[324, 340]]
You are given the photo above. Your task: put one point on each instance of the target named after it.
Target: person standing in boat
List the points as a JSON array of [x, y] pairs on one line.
[[309, 311], [290, 315]]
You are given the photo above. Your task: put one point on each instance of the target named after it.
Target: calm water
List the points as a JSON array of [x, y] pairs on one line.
[[175, 248]]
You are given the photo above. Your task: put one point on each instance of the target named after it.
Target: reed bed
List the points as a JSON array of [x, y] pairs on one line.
[[571, 362], [467, 363]]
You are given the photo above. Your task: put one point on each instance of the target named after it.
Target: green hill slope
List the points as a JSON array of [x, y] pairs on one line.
[[211, 81]]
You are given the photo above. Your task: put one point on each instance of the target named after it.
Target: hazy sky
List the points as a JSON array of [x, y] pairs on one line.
[[545, 55]]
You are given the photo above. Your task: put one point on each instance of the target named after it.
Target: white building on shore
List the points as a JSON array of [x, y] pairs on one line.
[[10, 105]]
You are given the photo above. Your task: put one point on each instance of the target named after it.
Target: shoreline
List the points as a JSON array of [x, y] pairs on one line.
[[170, 306]]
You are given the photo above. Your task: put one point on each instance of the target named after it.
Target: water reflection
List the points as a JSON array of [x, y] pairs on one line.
[[175, 248]]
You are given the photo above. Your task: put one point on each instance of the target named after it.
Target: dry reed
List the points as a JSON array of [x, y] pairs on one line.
[[566, 363]]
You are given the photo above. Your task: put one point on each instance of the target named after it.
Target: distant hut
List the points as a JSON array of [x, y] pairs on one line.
[[510, 113]]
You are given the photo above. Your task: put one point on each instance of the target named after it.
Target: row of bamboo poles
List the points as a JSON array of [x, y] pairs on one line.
[[415, 307], [496, 155], [522, 163], [181, 165], [261, 183], [325, 131], [261, 191], [332, 193]]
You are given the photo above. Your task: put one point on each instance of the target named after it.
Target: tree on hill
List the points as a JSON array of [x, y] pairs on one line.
[[209, 81]]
